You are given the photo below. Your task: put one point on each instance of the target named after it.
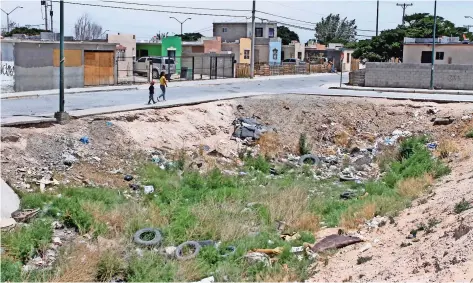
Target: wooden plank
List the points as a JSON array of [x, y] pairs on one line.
[[73, 58]]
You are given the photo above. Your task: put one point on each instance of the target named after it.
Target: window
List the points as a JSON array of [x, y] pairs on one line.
[[348, 57], [142, 59], [271, 33], [172, 53], [120, 55], [246, 54], [224, 29], [426, 57], [169, 61], [299, 55], [439, 55], [258, 32], [143, 53], [156, 60], [275, 54]]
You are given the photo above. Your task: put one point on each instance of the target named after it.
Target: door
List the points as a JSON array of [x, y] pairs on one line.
[[98, 68]]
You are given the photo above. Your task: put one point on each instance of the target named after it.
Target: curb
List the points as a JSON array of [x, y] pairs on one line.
[[56, 92], [420, 99], [405, 91]]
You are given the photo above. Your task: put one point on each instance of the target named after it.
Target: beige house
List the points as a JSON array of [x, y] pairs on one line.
[[293, 50], [125, 56], [241, 48], [447, 51]]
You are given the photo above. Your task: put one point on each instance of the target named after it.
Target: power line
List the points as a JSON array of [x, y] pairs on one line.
[[149, 10], [283, 17], [176, 7]]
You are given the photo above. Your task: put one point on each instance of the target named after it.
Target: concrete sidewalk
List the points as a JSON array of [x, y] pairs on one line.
[[48, 117], [404, 90], [172, 84]]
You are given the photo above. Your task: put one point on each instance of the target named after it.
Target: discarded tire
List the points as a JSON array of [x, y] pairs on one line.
[[156, 241], [191, 244], [304, 158], [229, 251]]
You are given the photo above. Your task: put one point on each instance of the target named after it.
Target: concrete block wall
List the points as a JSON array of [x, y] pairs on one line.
[[357, 78], [401, 75]]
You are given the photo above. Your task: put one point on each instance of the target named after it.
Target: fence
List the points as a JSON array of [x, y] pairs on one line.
[[204, 66]]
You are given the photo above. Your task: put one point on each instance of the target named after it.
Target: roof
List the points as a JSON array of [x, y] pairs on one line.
[[7, 40], [240, 23]]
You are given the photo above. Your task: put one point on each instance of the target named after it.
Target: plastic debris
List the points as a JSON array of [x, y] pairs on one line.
[[148, 189], [255, 257], [84, 140], [128, 178], [432, 145], [210, 279], [109, 124]]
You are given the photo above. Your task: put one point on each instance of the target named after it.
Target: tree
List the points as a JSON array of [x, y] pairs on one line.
[[389, 43], [86, 29], [334, 29], [195, 36], [24, 30], [287, 35]]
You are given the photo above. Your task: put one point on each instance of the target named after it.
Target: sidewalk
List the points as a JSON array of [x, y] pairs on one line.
[[404, 90], [48, 117], [37, 93]]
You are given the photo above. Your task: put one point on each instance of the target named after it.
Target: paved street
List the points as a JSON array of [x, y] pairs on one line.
[[316, 85]]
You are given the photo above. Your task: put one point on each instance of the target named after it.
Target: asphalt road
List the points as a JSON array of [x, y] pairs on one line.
[[47, 105]]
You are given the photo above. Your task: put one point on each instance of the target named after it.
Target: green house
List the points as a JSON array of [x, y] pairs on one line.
[[169, 46]]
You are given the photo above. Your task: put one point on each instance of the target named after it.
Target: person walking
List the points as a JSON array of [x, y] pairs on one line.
[[163, 84], [151, 93]]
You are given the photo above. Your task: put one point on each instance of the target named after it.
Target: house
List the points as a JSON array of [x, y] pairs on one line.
[[203, 45], [448, 50], [125, 53], [170, 46], [241, 48], [295, 49], [275, 49], [265, 32], [314, 51], [34, 64]]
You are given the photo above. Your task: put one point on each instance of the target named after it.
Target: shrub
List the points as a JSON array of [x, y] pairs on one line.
[[10, 271], [462, 206], [304, 147], [469, 134]]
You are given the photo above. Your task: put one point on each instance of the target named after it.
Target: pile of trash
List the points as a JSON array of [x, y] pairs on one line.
[[249, 128]]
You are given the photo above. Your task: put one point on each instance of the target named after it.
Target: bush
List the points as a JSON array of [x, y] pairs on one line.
[[304, 147], [469, 134], [462, 206], [109, 266], [258, 163], [10, 271], [24, 243]]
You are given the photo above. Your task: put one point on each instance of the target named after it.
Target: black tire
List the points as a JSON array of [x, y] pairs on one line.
[[155, 74], [156, 241], [306, 157], [194, 244], [230, 251]]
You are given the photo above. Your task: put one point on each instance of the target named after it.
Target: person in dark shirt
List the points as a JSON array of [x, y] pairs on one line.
[[151, 93]]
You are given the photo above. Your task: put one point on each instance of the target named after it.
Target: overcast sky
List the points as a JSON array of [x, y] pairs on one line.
[[146, 24]]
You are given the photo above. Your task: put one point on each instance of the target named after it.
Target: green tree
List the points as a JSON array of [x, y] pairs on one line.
[[334, 29], [389, 43], [191, 36], [287, 35]]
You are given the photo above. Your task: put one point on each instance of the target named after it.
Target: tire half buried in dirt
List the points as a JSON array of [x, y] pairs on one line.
[[309, 157], [156, 241], [191, 244]]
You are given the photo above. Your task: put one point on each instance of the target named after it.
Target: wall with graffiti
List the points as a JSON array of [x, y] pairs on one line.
[[7, 64]]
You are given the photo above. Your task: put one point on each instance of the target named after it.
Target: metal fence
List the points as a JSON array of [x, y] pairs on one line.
[[206, 66]]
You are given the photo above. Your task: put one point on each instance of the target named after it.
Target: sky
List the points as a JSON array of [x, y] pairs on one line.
[[145, 24]]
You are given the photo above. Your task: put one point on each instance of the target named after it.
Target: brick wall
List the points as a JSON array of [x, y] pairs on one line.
[[357, 78], [418, 76]]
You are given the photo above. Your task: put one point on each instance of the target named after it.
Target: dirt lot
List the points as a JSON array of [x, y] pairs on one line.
[[118, 143]]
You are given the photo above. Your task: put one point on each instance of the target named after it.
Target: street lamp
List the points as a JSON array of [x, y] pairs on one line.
[[8, 14], [468, 17], [180, 22]]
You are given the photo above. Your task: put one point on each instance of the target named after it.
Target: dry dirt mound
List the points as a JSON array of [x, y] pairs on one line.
[[443, 253]]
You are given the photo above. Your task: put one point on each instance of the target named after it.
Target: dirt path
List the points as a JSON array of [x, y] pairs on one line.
[[439, 256]]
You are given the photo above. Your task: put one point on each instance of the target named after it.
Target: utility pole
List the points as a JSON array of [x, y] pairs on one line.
[[377, 16], [45, 4], [181, 23], [252, 54], [404, 6], [61, 116], [51, 15], [433, 47]]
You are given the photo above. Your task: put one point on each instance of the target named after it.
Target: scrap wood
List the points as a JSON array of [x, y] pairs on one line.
[[270, 252]]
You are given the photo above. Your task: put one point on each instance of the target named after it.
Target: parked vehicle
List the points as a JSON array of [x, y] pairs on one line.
[[167, 65], [292, 61]]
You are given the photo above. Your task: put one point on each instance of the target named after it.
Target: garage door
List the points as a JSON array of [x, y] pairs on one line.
[[98, 68]]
